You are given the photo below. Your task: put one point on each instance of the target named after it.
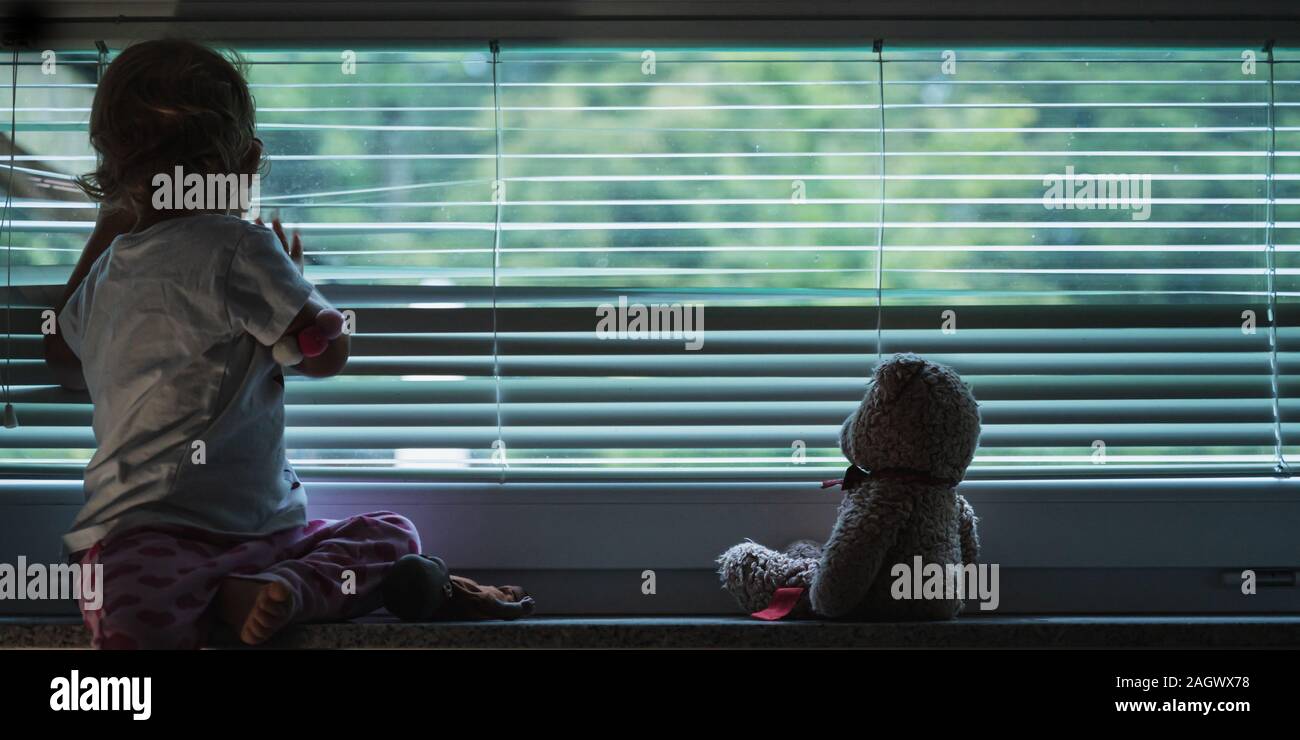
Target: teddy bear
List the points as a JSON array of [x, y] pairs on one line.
[[909, 443]]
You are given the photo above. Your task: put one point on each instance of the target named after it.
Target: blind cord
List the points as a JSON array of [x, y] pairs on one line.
[[1270, 247], [498, 196], [10, 416], [880, 213]]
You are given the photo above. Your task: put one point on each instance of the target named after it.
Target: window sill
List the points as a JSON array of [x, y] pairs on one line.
[[1190, 632], [1064, 547]]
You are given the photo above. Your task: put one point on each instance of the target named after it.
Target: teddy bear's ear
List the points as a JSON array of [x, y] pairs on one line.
[[896, 373]]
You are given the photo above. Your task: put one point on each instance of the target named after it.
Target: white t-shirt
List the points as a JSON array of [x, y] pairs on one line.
[[172, 326]]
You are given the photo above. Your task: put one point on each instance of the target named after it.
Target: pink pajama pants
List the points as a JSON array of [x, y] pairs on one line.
[[159, 584]]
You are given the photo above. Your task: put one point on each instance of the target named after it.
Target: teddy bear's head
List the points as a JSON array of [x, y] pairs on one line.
[[917, 416]]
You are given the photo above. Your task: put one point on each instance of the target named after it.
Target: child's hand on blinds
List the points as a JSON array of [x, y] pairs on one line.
[[292, 248]]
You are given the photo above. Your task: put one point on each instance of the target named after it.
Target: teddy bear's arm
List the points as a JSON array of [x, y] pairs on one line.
[[866, 528], [970, 539]]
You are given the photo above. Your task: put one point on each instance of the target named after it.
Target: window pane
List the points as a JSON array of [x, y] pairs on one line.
[[1083, 234], [736, 189], [1095, 223], [50, 221]]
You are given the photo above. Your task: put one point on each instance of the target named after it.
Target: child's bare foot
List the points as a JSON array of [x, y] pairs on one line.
[[256, 609]]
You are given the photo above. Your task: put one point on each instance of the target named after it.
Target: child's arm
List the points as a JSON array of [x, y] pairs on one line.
[[335, 357], [59, 357], [63, 363]]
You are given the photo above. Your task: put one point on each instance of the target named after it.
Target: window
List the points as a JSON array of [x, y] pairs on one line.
[[497, 217], [497, 220]]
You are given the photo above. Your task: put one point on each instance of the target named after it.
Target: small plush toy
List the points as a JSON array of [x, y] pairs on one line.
[[311, 341], [909, 442], [420, 588]]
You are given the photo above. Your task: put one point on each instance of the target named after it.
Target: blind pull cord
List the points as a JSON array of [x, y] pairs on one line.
[[498, 197], [10, 416], [1280, 467], [879, 48]]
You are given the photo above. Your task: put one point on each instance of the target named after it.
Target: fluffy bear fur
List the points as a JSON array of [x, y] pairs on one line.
[[916, 431]]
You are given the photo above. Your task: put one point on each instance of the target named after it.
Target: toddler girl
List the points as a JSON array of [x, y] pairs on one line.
[[191, 505]]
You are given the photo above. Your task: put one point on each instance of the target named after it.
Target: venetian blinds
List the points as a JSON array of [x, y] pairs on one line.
[[627, 265]]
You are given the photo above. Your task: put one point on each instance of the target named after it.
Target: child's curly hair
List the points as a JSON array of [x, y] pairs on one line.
[[163, 104]]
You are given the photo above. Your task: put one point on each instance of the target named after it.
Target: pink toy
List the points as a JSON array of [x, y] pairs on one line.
[[310, 342]]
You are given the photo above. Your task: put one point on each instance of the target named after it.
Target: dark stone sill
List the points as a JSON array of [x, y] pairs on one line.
[[975, 632]]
